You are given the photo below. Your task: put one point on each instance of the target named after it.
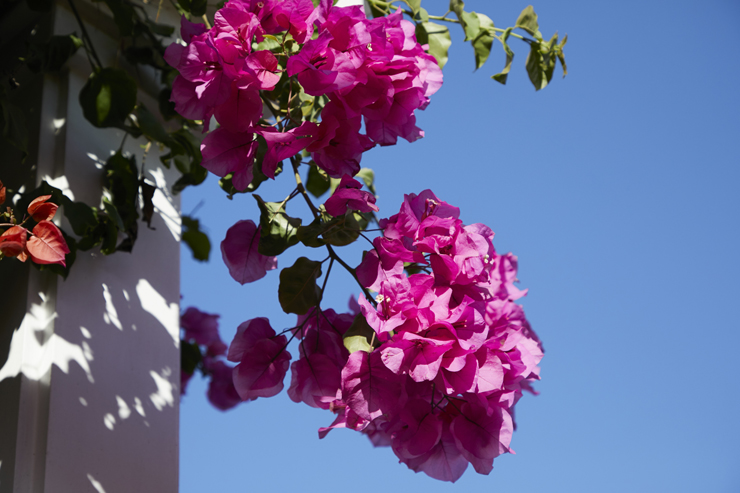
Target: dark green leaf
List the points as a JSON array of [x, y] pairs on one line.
[[153, 129], [541, 63], [112, 212], [197, 240], [110, 235], [317, 182], [123, 15], [161, 29], [438, 39], [279, 231], [52, 55], [311, 235], [108, 97], [342, 230], [13, 125], [528, 21], [166, 107], [81, 217], [298, 291], [147, 194], [195, 176], [198, 7], [40, 5], [190, 356], [122, 180]]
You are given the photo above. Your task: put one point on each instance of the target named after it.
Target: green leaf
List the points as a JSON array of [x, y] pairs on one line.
[[197, 240], [317, 182], [541, 62], [471, 24], [535, 67], [195, 176], [122, 180], [415, 5], [438, 39], [367, 175], [561, 55], [110, 235], [528, 21], [151, 127], [81, 217], [198, 7], [359, 336], [279, 231], [166, 107], [108, 97], [40, 5], [298, 291], [123, 15], [504, 74], [341, 231], [161, 29], [483, 42], [376, 12], [13, 125], [147, 194], [311, 235], [53, 55], [112, 212], [422, 15], [190, 356]]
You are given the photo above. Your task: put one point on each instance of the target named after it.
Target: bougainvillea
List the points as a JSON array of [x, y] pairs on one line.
[[435, 353], [433, 365], [44, 244], [370, 72]]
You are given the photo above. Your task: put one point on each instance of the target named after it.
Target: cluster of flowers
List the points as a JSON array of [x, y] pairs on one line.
[[448, 355], [201, 328], [371, 69], [44, 244]]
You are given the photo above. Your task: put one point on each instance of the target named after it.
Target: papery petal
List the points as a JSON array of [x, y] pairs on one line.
[[241, 255]]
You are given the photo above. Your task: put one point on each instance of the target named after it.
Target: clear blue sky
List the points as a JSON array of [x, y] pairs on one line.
[[619, 190]]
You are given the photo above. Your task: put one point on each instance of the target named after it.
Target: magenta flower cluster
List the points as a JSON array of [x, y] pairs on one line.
[[201, 328], [449, 351], [368, 69]]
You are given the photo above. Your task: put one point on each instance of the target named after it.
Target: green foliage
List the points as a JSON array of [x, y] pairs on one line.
[[122, 181], [483, 41], [298, 291], [52, 55], [279, 230], [190, 356], [367, 176], [360, 336], [108, 97], [504, 74], [317, 182], [528, 21], [541, 61], [341, 231], [196, 239], [13, 124], [438, 38]]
